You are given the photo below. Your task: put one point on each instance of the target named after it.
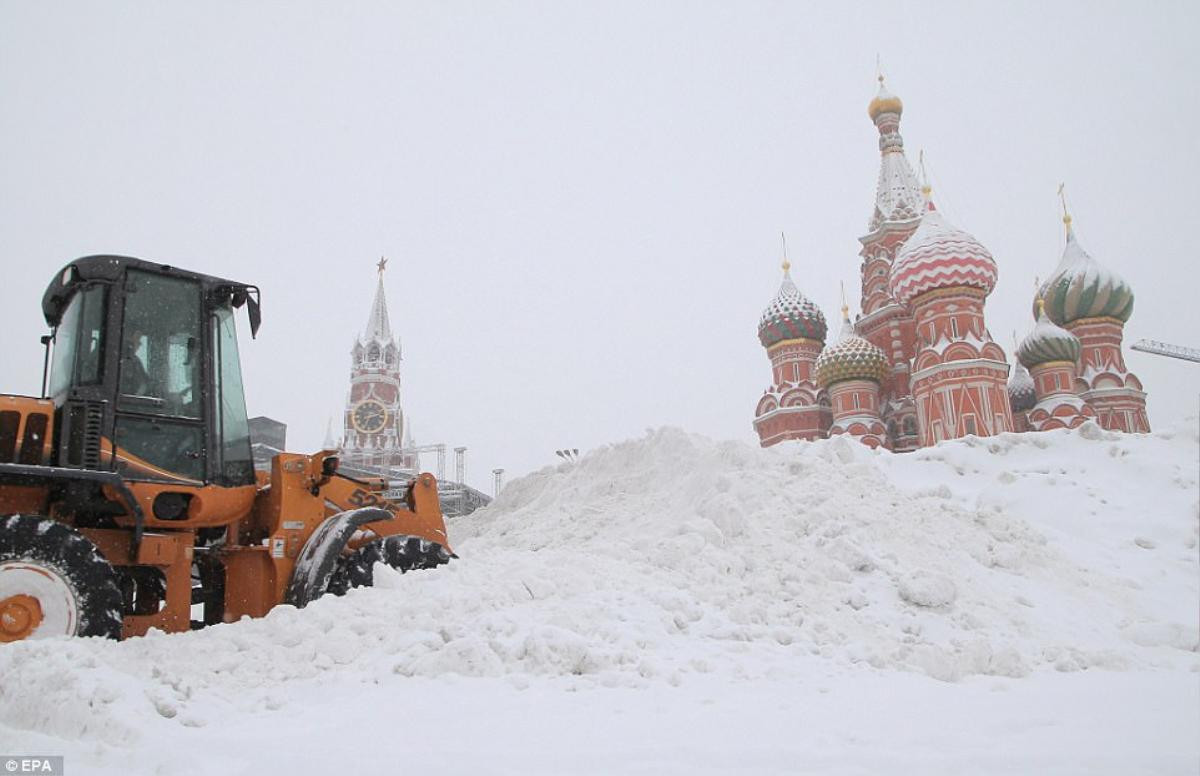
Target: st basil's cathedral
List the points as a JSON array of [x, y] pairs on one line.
[[919, 365]]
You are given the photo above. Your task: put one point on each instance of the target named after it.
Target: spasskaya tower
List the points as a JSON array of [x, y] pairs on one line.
[[374, 420]]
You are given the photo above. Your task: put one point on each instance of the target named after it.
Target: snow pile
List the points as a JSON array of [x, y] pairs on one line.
[[671, 556]]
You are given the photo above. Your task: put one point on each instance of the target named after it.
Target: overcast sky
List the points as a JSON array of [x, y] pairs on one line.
[[581, 202]]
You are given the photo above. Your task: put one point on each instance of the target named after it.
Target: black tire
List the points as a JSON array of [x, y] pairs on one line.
[[75, 563]]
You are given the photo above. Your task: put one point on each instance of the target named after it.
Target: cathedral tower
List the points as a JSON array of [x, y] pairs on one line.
[[942, 274], [885, 323], [1093, 303], [374, 420], [792, 329], [1051, 354], [852, 370]]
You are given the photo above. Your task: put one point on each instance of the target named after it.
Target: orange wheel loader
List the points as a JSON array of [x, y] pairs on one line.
[[128, 495]]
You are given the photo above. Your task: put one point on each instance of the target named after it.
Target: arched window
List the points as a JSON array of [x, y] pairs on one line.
[[373, 352]]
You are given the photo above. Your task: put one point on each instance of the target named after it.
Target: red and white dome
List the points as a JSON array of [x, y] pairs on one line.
[[940, 255]]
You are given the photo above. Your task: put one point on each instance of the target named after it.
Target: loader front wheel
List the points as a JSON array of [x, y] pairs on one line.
[[54, 582]]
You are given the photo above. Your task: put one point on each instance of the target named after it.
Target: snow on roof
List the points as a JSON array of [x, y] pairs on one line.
[[1048, 342], [791, 315], [897, 193], [939, 255], [1081, 287], [1021, 392]]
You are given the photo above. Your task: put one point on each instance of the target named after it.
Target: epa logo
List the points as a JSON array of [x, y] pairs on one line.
[[43, 766]]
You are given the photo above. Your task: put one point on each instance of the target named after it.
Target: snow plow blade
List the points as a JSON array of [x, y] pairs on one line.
[[320, 554]]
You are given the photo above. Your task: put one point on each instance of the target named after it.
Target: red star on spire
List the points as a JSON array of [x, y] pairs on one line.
[[382, 265]]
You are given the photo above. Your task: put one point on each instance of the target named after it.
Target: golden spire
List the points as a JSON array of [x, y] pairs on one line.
[[1041, 303], [845, 307], [1063, 198], [885, 101], [926, 189], [787, 265]]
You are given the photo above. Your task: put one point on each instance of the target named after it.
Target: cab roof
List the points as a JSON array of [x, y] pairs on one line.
[[105, 268]]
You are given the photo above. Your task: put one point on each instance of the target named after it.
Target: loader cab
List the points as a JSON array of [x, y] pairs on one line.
[[144, 371]]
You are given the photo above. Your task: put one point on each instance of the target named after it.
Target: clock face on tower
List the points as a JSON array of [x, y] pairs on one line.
[[369, 416]]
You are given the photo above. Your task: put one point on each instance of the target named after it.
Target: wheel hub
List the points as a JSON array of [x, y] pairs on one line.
[[36, 601], [20, 615]]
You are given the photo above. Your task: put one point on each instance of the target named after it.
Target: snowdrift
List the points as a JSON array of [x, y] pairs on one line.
[[670, 556]]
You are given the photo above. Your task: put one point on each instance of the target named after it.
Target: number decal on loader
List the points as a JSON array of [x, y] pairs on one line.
[[361, 498]]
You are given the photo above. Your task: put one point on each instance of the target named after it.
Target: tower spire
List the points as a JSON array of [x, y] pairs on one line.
[[897, 193], [787, 265], [378, 326], [1066, 216]]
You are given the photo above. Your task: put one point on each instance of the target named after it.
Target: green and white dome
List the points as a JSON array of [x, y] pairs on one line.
[[1081, 288], [1048, 342]]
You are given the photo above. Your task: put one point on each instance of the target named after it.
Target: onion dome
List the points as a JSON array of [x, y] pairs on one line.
[[1081, 288], [791, 315], [940, 255], [851, 358], [1048, 342], [884, 102], [1021, 393]]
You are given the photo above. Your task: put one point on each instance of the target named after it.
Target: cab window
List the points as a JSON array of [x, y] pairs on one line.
[[79, 343], [236, 464], [160, 346]]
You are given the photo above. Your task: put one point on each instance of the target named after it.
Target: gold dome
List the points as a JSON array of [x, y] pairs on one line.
[[884, 102]]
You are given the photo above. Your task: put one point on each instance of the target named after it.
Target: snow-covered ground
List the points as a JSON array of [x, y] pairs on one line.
[[1026, 603]]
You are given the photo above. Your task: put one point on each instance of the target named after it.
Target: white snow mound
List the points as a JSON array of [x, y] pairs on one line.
[[671, 555]]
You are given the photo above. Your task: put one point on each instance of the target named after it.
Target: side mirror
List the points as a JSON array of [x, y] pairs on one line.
[[254, 310]]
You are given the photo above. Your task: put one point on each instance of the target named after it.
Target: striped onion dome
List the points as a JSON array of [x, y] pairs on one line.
[[1048, 342], [940, 255], [791, 315], [1081, 288], [1021, 394], [851, 358]]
